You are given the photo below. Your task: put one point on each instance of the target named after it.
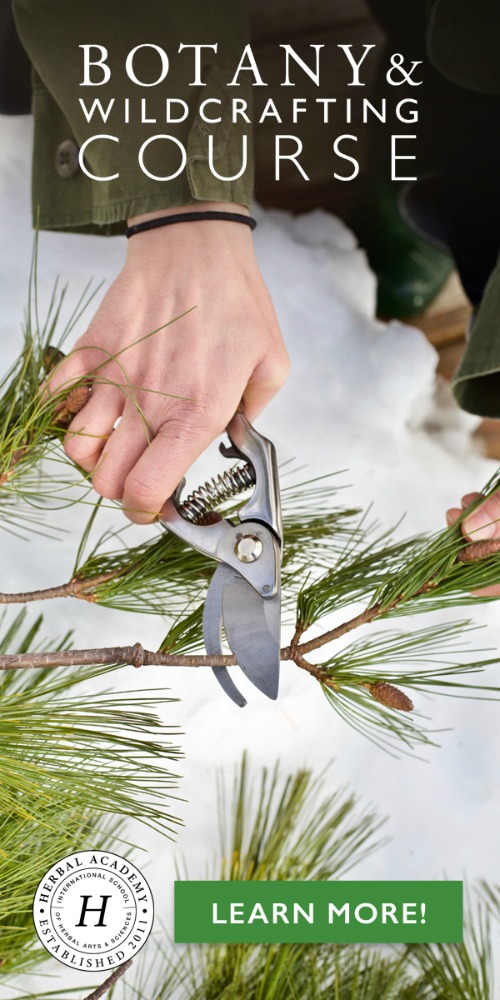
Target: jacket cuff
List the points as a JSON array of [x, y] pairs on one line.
[[476, 383], [64, 196], [72, 201]]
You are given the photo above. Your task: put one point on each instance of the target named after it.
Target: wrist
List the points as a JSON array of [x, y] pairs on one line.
[[196, 206], [196, 240]]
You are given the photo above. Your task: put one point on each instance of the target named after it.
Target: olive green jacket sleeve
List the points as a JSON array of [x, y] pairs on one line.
[[52, 32], [464, 45]]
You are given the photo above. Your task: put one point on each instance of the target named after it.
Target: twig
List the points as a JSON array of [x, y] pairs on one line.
[[363, 618], [317, 672], [77, 587], [299, 631], [110, 981]]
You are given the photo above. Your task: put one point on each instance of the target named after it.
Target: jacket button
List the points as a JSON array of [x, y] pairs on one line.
[[66, 160]]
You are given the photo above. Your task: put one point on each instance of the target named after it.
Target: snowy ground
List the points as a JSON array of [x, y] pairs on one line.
[[361, 396]]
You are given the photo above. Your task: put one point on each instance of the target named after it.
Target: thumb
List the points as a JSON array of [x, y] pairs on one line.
[[265, 382], [485, 521]]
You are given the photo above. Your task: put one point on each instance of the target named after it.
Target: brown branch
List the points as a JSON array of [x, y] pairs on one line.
[[363, 618], [110, 981], [304, 664], [299, 632], [77, 587], [136, 655]]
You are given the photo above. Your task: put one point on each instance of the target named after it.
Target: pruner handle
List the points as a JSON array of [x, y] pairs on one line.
[[264, 504]]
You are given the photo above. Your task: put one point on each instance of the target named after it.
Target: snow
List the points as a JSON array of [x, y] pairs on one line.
[[363, 397]]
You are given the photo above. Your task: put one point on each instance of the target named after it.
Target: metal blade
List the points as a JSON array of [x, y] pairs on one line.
[[212, 625], [252, 627]]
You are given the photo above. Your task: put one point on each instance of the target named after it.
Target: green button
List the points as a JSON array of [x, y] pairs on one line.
[[356, 912]]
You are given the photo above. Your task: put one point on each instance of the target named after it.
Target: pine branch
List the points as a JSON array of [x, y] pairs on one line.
[[344, 680], [76, 587], [363, 618], [137, 656], [134, 655], [71, 770], [387, 694], [110, 981]]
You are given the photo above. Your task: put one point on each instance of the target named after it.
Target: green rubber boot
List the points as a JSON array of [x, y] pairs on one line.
[[410, 269]]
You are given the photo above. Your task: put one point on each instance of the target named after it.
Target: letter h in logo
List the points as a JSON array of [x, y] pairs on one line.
[[93, 909]]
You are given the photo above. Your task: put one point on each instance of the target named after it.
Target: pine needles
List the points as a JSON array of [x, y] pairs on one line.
[[28, 429], [71, 770]]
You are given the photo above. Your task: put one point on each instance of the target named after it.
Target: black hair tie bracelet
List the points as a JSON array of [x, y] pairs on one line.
[[170, 220]]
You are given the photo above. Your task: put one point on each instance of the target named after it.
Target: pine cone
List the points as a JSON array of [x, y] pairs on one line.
[[390, 696], [479, 550], [77, 398], [75, 401]]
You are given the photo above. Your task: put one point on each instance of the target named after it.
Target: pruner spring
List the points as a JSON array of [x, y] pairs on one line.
[[219, 537], [202, 502]]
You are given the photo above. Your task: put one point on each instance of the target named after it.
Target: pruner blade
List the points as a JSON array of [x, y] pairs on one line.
[[252, 628], [212, 630]]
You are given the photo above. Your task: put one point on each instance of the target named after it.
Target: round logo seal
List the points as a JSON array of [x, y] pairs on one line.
[[93, 910]]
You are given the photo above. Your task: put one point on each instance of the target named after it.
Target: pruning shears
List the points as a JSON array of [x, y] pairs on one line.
[[244, 595]]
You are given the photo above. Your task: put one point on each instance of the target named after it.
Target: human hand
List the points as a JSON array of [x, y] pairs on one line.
[[483, 523], [176, 390]]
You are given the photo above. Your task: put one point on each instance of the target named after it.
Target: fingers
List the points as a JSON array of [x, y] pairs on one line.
[[186, 389], [146, 473], [93, 425], [121, 453], [468, 499], [163, 464], [143, 464], [484, 522], [487, 592]]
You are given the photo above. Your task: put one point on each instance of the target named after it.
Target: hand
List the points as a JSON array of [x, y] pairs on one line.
[[484, 522], [175, 391]]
